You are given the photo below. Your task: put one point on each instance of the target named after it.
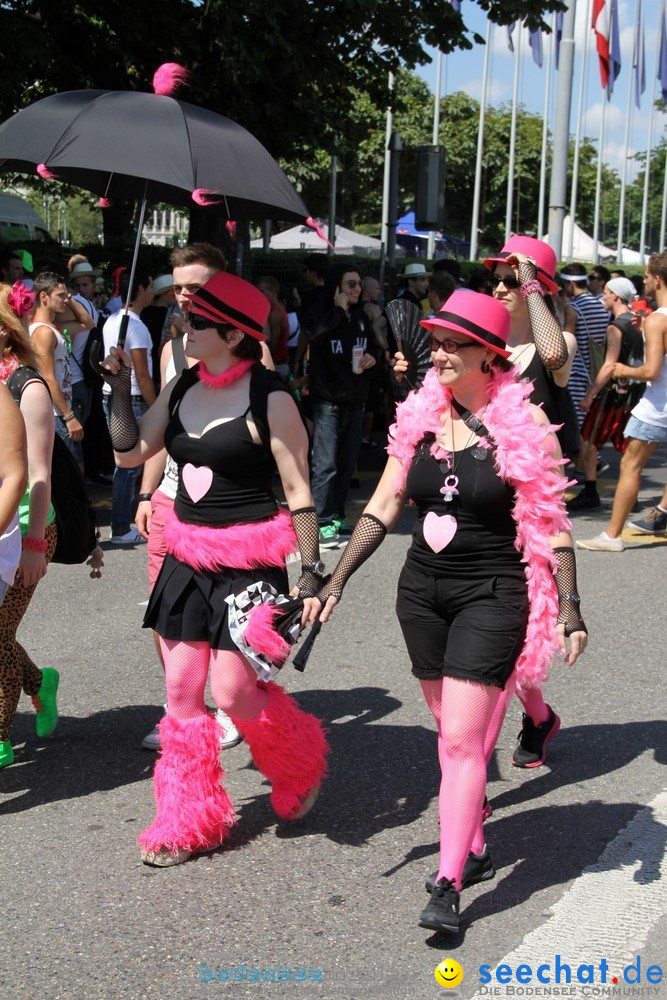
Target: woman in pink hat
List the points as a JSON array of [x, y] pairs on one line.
[[227, 422], [488, 589]]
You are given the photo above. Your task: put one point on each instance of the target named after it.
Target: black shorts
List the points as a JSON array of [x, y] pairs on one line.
[[472, 630]]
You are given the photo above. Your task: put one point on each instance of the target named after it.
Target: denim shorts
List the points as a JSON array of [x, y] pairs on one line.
[[645, 432]]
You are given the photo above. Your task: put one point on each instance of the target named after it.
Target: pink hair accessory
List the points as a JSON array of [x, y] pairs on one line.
[[169, 77], [44, 172], [105, 203], [232, 374], [205, 196], [317, 226], [230, 226], [21, 299], [532, 286]]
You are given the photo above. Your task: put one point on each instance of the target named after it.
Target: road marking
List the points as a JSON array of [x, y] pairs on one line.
[[608, 912]]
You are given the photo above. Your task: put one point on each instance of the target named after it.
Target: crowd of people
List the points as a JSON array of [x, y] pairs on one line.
[[237, 414]]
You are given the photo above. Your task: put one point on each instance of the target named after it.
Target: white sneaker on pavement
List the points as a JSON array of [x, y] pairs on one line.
[[152, 741], [601, 543], [131, 537], [230, 736]]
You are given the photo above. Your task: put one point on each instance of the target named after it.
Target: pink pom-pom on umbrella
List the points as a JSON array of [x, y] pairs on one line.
[[44, 172], [317, 226], [204, 196], [230, 226], [105, 203], [169, 77]]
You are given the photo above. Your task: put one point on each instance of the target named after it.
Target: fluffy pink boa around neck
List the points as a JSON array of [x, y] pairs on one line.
[[522, 459]]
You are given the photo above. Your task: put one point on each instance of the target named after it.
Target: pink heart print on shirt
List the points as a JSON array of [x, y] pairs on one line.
[[197, 480], [439, 529]]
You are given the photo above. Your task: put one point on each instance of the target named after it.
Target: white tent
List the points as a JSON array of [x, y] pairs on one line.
[[305, 238], [582, 247]]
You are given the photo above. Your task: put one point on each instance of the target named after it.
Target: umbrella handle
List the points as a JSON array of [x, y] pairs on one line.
[[301, 658]]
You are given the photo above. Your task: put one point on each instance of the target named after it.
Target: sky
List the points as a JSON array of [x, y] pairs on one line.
[[463, 71]]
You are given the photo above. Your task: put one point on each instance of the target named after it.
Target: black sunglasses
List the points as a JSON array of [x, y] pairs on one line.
[[510, 281], [198, 322]]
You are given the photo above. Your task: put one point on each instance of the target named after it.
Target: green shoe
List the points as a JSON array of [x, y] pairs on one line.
[[342, 527], [328, 536], [45, 702], [6, 754]]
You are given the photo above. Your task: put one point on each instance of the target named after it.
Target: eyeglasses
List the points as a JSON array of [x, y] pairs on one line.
[[352, 284], [595, 277], [510, 281], [450, 346], [198, 322]]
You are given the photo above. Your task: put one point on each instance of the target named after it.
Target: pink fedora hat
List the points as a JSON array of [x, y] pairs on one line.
[[541, 252], [479, 316]]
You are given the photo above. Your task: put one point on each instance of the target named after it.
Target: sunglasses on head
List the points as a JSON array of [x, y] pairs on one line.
[[451, 346], [510, 281]]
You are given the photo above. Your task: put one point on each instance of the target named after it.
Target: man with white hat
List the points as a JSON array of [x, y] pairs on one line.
[[415, 279]]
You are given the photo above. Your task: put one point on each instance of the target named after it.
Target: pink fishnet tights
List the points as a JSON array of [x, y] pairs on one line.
[[233, 681], [463, 712]]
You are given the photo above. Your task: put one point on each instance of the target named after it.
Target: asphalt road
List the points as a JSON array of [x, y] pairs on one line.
[[332, 902]]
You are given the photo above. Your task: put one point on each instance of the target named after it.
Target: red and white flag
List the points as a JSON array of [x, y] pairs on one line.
[[601, 29]]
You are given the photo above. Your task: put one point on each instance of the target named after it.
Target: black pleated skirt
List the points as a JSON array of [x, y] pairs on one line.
[[190, 605]]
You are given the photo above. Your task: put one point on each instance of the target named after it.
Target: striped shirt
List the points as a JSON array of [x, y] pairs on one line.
[[592, 321]]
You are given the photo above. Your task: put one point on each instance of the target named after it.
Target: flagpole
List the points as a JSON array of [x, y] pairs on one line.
[[387, 159], [561, 142], [545, 134], [436, 131], [598, 182], [480, 147], [663, 214], [626, 142], [577, 139], [510, 169]]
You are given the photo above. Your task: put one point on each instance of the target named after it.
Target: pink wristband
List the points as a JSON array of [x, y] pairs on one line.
[[532, 286], [35, 544]]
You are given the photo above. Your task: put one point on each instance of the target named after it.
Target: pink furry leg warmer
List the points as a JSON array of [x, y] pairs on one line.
[[289, 746], [194, 812]]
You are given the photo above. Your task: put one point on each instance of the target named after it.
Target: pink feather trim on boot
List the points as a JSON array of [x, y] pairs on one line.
[[194, 812], [290, 747]]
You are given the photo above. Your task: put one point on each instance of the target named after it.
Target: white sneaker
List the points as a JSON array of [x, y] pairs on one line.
[[131, 537], [601, 543], [230, 736], [152, 741]]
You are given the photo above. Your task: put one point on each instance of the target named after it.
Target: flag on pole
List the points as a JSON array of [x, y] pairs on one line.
[[601, 29], [639, 57], [456, 4], [558, 34], [510, 40], [536, 46], [614, 48], [662, 57]]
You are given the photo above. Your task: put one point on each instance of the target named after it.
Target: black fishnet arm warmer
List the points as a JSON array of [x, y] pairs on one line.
[[123, 428], [569, 613], [366, 538], [547, 334], [307, 531]]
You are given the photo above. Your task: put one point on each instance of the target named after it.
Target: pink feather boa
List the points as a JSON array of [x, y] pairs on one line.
[[523, 460], [240, 546]]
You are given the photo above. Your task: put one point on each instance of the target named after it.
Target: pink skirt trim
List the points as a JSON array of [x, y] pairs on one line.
[[240, 546]]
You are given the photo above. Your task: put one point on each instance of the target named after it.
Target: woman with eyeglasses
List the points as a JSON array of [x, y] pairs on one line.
[[488, 589], [227, 422]]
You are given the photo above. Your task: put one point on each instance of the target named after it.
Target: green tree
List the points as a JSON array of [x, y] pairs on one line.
[[635, 200]]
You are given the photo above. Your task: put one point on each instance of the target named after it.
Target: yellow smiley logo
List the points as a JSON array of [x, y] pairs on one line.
[[449, 973]]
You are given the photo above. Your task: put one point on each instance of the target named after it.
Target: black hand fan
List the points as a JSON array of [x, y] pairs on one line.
[[412, 339]]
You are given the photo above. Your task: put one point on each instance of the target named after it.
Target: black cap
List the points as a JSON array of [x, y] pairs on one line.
[[317, 262]]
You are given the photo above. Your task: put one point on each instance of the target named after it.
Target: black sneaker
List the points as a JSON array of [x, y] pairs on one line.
[[478, 868], [584, 501], [531, 748], [442, 910]]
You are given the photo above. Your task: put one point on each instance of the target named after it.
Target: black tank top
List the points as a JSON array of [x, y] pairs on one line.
[[224, 477], [543, 387], [483, 545]]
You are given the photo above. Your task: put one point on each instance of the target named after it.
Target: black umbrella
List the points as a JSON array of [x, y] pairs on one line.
[[131, 144]]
